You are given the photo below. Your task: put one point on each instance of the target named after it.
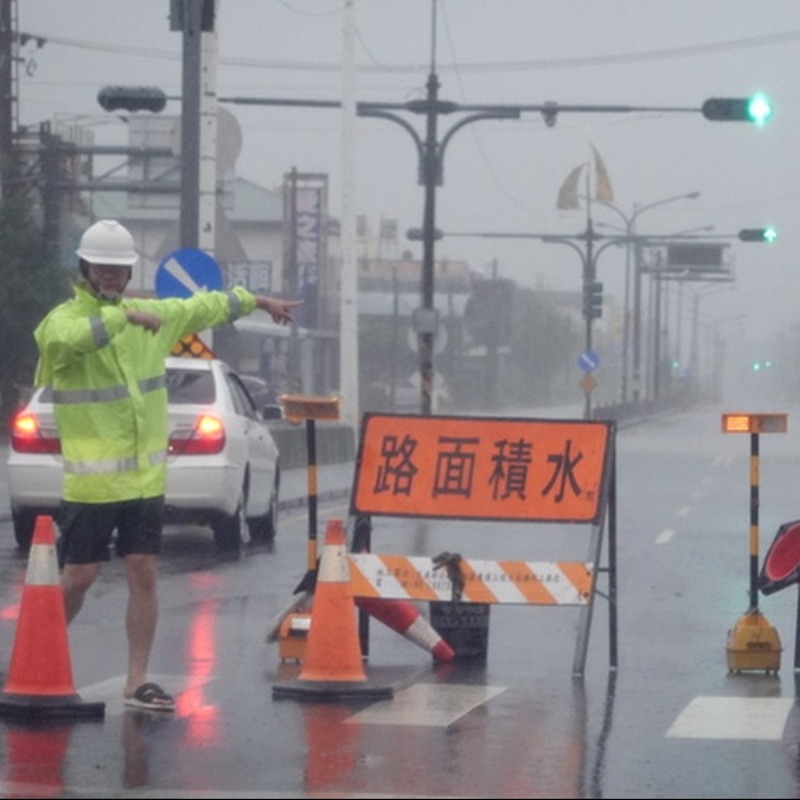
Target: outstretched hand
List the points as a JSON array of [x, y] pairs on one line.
[[279, 310]]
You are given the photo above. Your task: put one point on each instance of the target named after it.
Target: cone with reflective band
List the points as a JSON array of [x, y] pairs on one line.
[[332, 665], [39, 681], [404, 617]]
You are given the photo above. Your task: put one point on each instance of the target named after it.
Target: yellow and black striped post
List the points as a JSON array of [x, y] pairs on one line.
[[754, 644], [754, 484], [303, 408]]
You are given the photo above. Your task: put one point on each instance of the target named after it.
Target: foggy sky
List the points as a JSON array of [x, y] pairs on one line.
[[499, 176]]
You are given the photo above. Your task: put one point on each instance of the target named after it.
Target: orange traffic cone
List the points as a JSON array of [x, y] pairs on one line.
[[332, 667], [39, 681], [404, 617]]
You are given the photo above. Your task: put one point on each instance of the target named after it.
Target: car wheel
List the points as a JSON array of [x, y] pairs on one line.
[[263, 529], [228, 529], [24, 522]]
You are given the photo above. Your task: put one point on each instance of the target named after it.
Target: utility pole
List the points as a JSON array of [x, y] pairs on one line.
[[194, 18], [348, 306], [8, 65]]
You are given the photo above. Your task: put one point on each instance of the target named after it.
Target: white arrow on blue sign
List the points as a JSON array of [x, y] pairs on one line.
[[588, 360], [184, 272]]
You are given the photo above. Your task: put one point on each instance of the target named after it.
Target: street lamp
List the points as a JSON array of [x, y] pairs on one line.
[[431, 172], [630, 224], [698, 294], [679, 295], [718, 354]]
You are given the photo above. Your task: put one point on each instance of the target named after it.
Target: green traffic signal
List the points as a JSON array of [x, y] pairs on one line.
[[757, 109], [758, 235]]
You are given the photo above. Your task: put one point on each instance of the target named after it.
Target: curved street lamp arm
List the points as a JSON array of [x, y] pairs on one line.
[[408, 127], [641, 209], [505, 114]]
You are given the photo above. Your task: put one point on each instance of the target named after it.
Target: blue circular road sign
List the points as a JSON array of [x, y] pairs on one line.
[[588, 360], [184, 272]]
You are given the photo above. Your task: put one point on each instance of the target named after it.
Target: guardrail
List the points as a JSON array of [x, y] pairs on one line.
[[335, 444]]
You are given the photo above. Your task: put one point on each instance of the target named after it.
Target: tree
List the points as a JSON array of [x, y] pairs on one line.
[[544, 344], [31, 282]]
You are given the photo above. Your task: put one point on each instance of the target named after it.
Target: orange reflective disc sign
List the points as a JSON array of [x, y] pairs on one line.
[[481, 468]]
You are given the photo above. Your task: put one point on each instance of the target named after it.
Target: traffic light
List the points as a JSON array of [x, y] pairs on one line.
[[132, 98], [758, 235], [757, 109], [593, 300]]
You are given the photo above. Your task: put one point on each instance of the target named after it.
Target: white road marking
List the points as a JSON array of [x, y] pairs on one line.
[[665, 536], [762, 718], [427, 704], [682, 512]]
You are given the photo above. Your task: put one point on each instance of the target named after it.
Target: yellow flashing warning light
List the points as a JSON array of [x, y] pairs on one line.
[[299, 407], [755, 423], [192, 346]]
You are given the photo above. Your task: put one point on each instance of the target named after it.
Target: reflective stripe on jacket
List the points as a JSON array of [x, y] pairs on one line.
[[109, 386]]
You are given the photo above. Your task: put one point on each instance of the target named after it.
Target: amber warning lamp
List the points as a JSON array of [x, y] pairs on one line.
[[755, 423], [299, 407]]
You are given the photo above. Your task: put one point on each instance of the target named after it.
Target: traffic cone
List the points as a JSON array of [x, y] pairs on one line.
[[332, 667], [404, 617], [39, 681]]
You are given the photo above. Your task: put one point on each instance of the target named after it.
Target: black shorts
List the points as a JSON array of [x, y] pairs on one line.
[[86, 529]]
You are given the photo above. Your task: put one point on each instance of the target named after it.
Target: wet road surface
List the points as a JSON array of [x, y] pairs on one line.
[[671, 721]]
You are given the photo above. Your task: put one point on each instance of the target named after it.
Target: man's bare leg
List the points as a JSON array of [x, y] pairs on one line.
[[75, 582], [141, 617]]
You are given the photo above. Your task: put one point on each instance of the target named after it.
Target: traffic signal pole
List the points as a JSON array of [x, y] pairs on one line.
[[199, 15], [431, 150], [589, 256]]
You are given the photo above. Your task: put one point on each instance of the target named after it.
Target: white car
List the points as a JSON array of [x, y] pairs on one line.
[[223, 468]]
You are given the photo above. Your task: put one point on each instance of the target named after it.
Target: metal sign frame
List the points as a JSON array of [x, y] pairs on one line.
[[565, 472]]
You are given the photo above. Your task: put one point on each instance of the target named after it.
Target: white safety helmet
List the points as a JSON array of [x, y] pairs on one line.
[[107, 242]]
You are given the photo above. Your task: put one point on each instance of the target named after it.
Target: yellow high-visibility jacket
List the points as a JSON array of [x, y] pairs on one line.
[[109, 386]]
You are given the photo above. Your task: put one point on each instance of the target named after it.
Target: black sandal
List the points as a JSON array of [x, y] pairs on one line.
[[151, 696]]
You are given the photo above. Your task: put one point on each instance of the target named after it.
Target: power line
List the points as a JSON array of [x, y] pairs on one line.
[[570, 62]]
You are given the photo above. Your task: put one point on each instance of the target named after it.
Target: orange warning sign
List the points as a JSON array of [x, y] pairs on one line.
[[481, 468]]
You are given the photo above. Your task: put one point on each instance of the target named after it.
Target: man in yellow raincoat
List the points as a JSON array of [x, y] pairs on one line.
[[104, 355]]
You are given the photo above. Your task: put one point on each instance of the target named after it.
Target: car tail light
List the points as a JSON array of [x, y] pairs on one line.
[[28, 436], [205, 438]]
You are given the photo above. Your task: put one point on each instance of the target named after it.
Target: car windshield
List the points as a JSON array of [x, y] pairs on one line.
[[184, 387]]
